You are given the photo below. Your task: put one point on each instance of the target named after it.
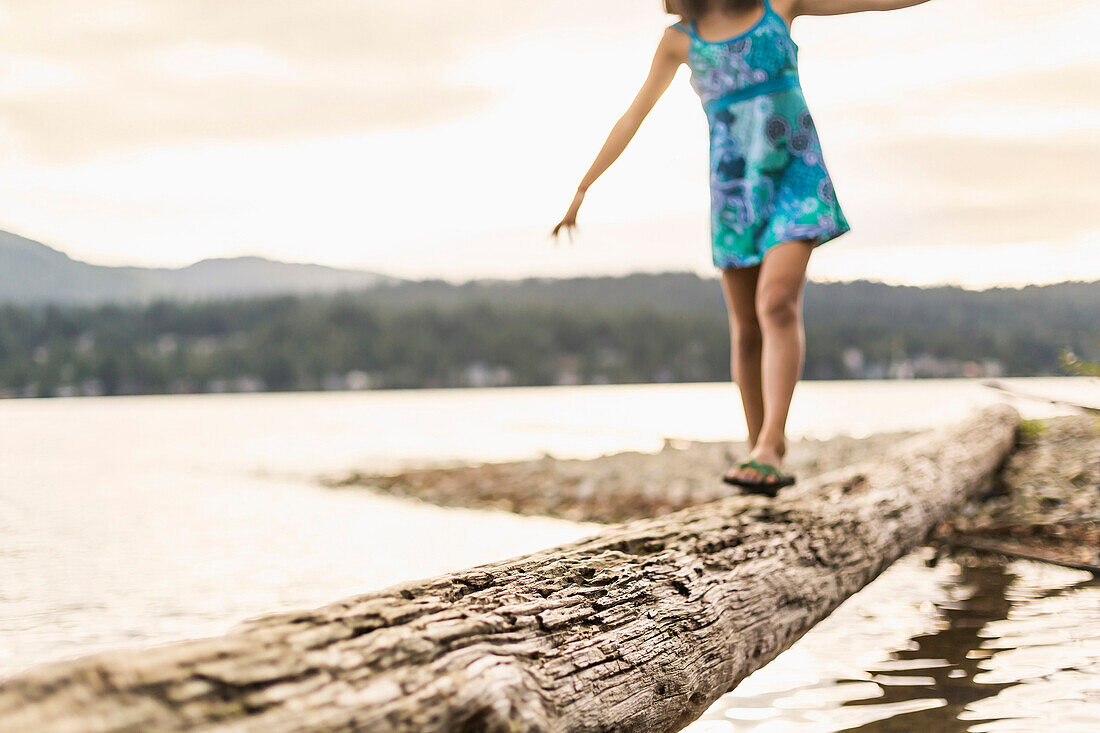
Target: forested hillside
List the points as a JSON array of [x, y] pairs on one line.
[[640, 328]]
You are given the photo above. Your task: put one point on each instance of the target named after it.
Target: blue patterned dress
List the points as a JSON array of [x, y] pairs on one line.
[[768, 179]]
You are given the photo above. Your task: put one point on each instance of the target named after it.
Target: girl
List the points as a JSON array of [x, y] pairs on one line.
[[772, 200]]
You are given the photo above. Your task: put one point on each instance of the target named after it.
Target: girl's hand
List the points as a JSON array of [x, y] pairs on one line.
[[569, 221]]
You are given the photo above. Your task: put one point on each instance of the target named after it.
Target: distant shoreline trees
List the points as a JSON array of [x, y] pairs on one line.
[[641, 328]]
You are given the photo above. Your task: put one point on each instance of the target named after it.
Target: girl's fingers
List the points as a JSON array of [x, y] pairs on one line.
[[567, 226]]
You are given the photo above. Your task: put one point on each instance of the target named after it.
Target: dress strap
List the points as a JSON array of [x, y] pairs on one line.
[[680, 27], [769, 9]]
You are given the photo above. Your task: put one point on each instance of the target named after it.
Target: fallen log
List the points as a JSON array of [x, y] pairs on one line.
[[1073, 545], [640, 628], [1016, 550], [994, 384]]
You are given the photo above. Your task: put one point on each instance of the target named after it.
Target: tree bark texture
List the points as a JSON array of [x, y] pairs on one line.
[[639, 628]]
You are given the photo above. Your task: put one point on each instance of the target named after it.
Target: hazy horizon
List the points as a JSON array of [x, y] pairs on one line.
[[703, 273], [426, 140]]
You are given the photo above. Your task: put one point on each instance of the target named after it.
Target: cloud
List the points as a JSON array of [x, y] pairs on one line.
[[971, 162], [25, 76], [123, 74], [973, 190], [96, 119], [80, 82]]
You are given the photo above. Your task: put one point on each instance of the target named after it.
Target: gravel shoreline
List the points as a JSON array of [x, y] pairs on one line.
[[1048, 502], [613, 488]]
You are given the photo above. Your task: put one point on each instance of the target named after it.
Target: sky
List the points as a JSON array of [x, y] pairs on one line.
[[430, 138]]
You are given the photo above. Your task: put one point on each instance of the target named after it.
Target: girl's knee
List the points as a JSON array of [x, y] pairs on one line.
[[777, 308]]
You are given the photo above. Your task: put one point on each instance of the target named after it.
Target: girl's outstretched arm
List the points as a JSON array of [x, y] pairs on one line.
[[839, 7], [671, 52]]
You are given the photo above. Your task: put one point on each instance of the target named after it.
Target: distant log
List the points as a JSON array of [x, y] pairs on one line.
[[640, 628], [994, 384], [1023, 552], [1069, 544]]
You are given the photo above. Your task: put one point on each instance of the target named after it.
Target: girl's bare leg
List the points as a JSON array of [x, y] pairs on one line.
[[739, 287], [779, 312]]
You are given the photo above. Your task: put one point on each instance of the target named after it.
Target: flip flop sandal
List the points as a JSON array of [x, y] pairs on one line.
[[765, 488]]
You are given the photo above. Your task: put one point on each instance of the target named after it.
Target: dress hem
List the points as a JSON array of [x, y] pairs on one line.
[[737, 263]]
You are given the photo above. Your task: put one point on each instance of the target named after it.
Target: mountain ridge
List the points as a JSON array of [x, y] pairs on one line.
[[33, 273]]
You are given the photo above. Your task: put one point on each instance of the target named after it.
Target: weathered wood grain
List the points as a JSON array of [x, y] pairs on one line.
[[640, 628]]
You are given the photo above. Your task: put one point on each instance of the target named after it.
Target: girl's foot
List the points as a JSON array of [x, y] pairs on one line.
[[761, 472]]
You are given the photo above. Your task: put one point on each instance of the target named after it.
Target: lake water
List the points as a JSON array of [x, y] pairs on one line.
[[140, 520]]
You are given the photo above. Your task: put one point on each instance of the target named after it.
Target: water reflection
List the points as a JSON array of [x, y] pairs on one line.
[[1002, 648], [956, 654]]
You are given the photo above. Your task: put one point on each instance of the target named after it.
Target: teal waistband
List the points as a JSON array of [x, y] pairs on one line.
[[788, 80]]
